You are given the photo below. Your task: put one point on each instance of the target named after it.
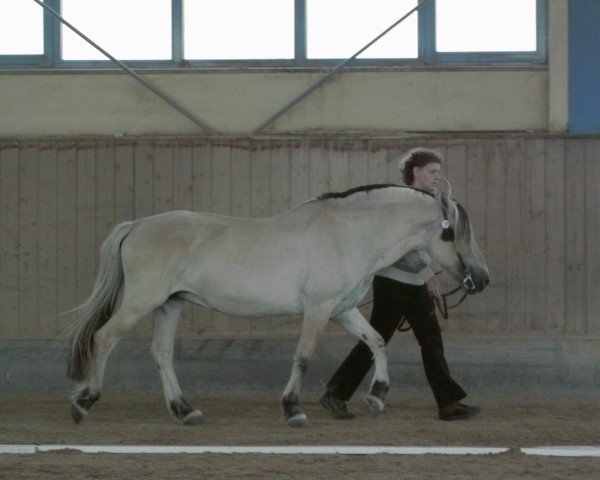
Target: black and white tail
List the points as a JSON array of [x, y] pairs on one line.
[[99, 307]]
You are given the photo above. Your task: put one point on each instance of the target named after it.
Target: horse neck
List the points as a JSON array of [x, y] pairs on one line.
[[390, 240]]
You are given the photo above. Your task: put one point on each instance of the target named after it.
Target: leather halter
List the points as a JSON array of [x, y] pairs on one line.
[[467, 283]]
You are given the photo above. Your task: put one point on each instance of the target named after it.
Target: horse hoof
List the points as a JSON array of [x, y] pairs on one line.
[[78, 413], [298, 420], [194, 418], [375, 405]]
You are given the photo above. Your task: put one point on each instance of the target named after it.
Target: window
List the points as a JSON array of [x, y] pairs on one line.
[[272, 33], [21, 28], [238, 29], [338, 29], [485, 26], [127, 29]]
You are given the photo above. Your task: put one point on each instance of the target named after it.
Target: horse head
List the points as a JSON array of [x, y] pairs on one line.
[[454, 247]]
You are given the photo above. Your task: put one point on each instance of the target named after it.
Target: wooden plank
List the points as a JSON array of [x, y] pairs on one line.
[[48, 240], [201, 320], [299, 172], [240, 207], [592, 165], [280, 177], [144, 179], [517, 250], [536, 235], [555, 237], [261, 207], [455, 170], [182, 200], [221, 178], [124, 182], [241, 179], [280, 203], [396, 150], [144, 197], [9, 240], [319, 176], [222, 325], [163, 176], [338, 164], [105, 192], [182, 176], [87, 251], [495, 180], [67, 228], [261, 179], [201, 177], [475, 203], [575, 241], [28, 239], [378, 171], [358, 163]]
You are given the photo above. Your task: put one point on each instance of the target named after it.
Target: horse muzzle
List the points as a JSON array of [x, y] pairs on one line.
[[475, 280]]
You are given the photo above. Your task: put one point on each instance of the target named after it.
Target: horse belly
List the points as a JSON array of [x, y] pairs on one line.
[[245, 295], [353, 298]]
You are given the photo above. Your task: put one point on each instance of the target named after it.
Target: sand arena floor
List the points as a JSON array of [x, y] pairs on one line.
[[252, 418]]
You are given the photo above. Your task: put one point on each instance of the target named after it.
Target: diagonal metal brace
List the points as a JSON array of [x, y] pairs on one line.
[[153, 88], [330, 74]]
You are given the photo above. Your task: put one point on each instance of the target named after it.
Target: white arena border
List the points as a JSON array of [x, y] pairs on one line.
[[278, 450], [555, 451], [570, 451]]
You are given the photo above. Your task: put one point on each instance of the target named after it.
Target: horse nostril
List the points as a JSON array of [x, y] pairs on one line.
[[487, 281]]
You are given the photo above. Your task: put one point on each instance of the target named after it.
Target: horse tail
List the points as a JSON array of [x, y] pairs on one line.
[[98, 308]]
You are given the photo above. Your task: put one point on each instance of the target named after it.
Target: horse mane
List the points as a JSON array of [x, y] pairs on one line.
[[367, 189], [352, 191], [463, 224]]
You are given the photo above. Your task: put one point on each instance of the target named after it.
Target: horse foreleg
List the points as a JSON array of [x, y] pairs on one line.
[[165, 326], [315, 320], [354, 322]]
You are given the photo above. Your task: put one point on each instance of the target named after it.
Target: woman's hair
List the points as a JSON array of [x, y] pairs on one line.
[[417, 157]]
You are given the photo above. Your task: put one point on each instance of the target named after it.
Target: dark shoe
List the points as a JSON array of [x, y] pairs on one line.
[[336, 406], [458, 411]]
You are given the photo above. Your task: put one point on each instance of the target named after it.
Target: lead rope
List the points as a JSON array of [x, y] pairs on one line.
[[443, 308], [444, 311]]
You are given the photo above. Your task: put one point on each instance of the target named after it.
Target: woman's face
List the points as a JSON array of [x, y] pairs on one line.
[[427, 176]]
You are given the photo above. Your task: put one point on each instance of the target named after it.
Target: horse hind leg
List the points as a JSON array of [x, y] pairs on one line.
[[87, 392], [165, 327]]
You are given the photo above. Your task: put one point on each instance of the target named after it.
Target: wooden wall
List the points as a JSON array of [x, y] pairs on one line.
[[533, 201]]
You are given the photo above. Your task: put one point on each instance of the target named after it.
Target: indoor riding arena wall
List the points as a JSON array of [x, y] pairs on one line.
[[533, 201]]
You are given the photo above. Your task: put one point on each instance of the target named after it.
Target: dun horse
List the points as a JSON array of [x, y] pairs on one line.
[[317, 259]]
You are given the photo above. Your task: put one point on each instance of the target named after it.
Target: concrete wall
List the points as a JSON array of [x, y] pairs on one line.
[[391, 102], [481, 365]]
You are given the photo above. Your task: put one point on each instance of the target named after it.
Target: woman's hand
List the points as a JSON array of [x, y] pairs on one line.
[[435, 289]]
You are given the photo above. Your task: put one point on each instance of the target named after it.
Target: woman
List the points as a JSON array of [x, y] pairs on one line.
[[405, 289]]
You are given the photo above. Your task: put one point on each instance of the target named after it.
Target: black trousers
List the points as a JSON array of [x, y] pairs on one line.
[[393, 300]]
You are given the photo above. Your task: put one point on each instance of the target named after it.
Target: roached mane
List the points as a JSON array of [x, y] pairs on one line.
[[352, 191], [367, 189]]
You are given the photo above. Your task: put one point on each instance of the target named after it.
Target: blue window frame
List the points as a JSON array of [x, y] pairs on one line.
[[427, 53]]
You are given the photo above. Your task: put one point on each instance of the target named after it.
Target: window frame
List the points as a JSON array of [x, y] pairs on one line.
[[428, 56]]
